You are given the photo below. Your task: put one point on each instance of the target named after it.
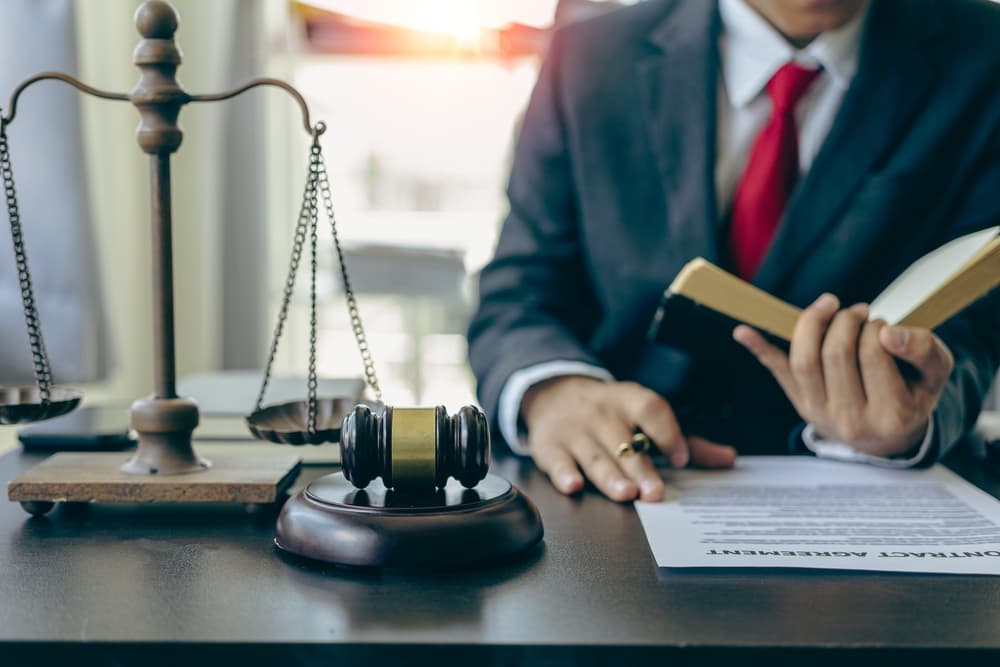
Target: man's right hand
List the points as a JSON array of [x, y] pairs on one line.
[[576, 424]]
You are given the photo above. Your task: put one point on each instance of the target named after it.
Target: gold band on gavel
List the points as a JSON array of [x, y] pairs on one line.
[[414, 447]]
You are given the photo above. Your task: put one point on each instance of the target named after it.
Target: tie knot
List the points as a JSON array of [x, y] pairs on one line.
[[788, 85]]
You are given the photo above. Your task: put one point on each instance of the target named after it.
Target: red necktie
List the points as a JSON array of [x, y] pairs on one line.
[[770, 173]]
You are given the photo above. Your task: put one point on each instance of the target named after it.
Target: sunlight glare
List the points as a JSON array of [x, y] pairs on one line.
[[447, 17]]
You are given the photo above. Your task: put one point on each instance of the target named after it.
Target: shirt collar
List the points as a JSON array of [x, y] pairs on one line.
[[752, 51]]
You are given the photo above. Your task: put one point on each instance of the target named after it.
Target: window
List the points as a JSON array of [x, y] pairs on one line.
[[422, 102]]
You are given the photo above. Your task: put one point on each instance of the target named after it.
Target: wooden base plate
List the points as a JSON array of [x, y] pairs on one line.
[[332, 521], [234, 477]]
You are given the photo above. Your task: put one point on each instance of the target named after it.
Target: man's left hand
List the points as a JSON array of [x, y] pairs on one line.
[[841, 374]]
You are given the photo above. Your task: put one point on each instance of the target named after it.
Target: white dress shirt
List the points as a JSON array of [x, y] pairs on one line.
[[750, 52]]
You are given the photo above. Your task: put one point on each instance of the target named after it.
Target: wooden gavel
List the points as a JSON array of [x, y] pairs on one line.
[[415, 449]]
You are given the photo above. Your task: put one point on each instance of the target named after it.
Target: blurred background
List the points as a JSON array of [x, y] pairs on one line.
[[422, 99]]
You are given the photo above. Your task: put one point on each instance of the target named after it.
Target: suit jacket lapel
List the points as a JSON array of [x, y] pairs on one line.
[[896, 70], [678, 81]]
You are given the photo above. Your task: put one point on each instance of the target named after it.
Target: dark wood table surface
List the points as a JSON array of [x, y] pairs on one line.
[[204, 585]]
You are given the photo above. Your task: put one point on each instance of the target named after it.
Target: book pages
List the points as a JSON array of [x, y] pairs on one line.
[[928, 274]]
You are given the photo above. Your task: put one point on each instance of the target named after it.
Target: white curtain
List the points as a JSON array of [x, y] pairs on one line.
[[47, 155], [217, 189]]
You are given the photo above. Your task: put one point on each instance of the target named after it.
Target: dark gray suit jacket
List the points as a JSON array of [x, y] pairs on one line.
[[612, 191]]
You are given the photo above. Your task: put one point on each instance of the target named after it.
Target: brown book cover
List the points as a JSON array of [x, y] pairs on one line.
[[704, 303]]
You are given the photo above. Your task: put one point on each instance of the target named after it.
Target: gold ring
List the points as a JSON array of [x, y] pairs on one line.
[[639, 444]]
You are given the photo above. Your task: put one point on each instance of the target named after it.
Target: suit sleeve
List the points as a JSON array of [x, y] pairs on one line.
[[536, 303], [974, 335]]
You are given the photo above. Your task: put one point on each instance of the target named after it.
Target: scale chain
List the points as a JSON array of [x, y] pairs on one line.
[[301, 230], [39, 355], [313, 234], [317, 185], [352, 304]]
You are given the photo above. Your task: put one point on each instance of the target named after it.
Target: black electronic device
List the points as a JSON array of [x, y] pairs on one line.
[[86, 429]]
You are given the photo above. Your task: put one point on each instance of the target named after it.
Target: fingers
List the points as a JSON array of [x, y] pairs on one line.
[[641, 469], [820, 374], [922, 349], [879, 372], [844, 390], [707, 454], [840, 375], [773, 359], [650, 412], [563, 459], [638, 468], [575, 430], [560, 466], [602, 470], [805, 354]]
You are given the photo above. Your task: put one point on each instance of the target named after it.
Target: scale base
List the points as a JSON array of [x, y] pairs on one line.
[[335, 522], [98, 478]]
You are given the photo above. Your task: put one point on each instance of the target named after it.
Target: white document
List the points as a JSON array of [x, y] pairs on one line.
[[777, 511]]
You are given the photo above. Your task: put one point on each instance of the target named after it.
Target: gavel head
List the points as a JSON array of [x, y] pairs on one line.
[[415, 449]]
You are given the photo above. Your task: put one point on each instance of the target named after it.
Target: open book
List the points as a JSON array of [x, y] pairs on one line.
[[704, 297]]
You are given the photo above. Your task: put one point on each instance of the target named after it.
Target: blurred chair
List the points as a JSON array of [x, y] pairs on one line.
[[233, 393], [430, 284]]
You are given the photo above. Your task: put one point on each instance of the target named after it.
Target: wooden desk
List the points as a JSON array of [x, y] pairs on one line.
[[204, 586]]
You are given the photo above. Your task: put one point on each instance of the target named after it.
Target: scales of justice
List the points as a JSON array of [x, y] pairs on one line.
[[414, 489]]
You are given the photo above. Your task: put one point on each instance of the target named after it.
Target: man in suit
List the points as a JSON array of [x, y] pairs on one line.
[[817, 149]]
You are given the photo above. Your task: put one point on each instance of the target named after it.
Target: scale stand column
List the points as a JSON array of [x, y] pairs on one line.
[[163, 421], [161, 469]]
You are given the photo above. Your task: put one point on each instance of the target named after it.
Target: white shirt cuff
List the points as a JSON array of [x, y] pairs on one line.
[[509, 407], [839, 451]]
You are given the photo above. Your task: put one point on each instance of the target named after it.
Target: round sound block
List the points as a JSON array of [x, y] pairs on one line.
[[333, 521]]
